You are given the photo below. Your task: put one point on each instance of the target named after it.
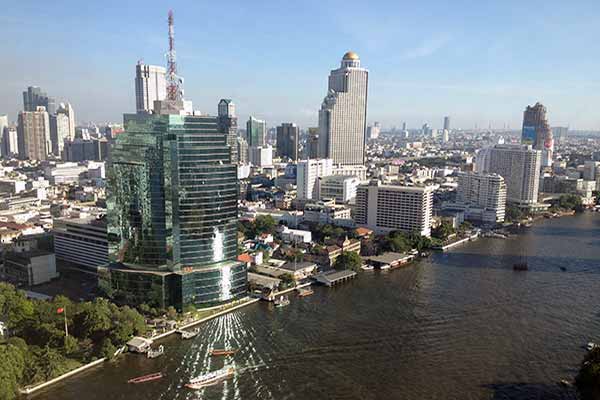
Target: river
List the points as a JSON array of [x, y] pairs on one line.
[[458, 325]]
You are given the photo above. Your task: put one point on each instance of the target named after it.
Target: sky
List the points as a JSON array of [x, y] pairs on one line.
[[481, 62]]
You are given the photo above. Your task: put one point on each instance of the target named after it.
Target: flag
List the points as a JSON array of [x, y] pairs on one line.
[[60, 310]]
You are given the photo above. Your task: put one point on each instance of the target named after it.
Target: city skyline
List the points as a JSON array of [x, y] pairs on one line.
[[486, 76]]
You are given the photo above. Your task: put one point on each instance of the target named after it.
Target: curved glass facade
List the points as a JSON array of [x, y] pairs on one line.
[[172, 208]]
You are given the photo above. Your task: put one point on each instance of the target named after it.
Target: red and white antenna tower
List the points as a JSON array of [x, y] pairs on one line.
[[174, 89]]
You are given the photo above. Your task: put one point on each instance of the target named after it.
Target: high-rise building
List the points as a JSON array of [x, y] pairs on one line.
[[445, 136], [560, 133], [67, 110], [150, 86], [386, 208], [261, 156], [242, 150], [228, 124], [3, 123], [482, 196], [34, 134], [342, 188], [537, 132], [312, 143], [519, 165], [81, 241], [287, 141], [373, 131], [10, 142], [33, 98], [308, 174], [256, 132], [172, 212], [343, 114], [447, 123], [403, 126], [59, 132]]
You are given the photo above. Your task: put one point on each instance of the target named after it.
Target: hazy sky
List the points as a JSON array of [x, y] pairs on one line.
[[478, 61]]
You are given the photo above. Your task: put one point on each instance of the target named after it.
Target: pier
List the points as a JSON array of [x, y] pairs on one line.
[[333, 278]]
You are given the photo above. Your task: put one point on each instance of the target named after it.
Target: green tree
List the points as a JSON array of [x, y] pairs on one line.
[[287, 280], [513, 213], [14, 306], [587, 380], [348, 260], [93, 320], [443, 231], [264, 224], [571, 202], [171, 313], [12, 364]]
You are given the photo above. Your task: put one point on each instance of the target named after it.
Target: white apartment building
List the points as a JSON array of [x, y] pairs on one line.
[[261, 156], [385, 208], [359, 171], [308, 174], [481, 196], [519, 165], [150, 86], [323, 213], [343, 114], [342, 188]]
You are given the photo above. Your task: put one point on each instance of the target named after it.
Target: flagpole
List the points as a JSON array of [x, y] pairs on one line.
[[66, 327]]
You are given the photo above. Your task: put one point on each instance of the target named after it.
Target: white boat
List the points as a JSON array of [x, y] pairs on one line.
[[367, 268], [591, 346], [384, 267], [156, 353], [282, 301], [189, 334], [211, 378]]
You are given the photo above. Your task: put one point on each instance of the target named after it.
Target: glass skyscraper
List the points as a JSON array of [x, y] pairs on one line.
[[172, 213]]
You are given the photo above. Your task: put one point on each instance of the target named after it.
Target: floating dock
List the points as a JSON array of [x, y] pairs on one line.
[[334, 278]]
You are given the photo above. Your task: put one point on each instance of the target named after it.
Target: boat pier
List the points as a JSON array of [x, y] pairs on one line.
[[333, 278]]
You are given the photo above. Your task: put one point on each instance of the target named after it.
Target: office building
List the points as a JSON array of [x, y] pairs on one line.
[[342, 188], [312, 143], [81, 241], [445, 136], [242, 150], [308, 174], [288, 141], [33, 98], [385, 208], [227, 122], [373, 131], [3, 123], [67, 110], [59, 132], [172, 212], [519, 165], [85, 150], [537, 133], [446, 123], [481, 196], [150, 86], [261, 156], [34, 134], [10, 142], [343, 114], [360, 171], [256, 132]]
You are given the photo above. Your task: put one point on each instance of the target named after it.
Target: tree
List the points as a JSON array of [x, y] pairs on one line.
[[571, 202], [14, 306], [348, 260], [11, 372], [443, 231], [513, 213], [369, 247], [264, 224], [171, 313], [587, 380]]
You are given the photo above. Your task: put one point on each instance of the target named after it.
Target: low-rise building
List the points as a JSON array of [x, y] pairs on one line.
[[325, 212], [29, 268], [81, 241], [342, 188], [295, 235]]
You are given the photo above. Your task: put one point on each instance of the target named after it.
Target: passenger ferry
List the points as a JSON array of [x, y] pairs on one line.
[[211, 378]]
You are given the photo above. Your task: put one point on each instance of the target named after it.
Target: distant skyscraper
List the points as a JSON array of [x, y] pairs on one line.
[[34, 134], [519, 165], [287, 141], [242, 150], [343, 114], [373, 131], [537, 132], [445, 136], [227, 122], [67, 110], [172, 212], [59, 132], [312, 143], [150, 85], [10, 142], [256, 132], [404, 126], [425, 129], [33, 98], [3, 123], [560, 133], [447, 123]]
